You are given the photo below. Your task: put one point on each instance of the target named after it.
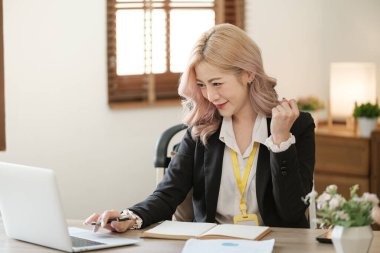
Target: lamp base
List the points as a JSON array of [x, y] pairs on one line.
[[347, 124]]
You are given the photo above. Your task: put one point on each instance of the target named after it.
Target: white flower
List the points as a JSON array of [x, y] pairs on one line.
[[331, 188], [322, 200], [371, 198], [334, 203], [342, 215]]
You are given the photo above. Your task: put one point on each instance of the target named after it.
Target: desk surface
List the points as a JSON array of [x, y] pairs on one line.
[[288, 240]]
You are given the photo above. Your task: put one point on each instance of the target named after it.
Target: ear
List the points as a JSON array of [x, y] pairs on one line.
[[251, 76], [248, 77]]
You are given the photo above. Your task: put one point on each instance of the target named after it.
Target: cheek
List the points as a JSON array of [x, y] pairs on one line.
[[204, 93]]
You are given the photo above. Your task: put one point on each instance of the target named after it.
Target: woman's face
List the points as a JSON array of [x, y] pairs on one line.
[[226, 91]]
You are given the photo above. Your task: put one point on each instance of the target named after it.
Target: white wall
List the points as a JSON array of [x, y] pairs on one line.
[[299, 40], [351, 33], [56, 102], [57, 114], [289, 35]]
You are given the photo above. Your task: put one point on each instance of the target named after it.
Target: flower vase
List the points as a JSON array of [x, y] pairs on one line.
[[352, 239], [366, 126]]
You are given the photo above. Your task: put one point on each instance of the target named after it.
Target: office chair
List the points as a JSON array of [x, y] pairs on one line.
[[162, 159]]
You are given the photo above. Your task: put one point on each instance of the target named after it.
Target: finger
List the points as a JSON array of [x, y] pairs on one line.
[[275, 112], [281, 108], [93, 217], [293, 103], [122, 226], [97, 225], [294, 107], [285, 103], [109, 215]]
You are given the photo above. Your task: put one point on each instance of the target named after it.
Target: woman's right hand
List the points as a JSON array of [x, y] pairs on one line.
[[101, 220]]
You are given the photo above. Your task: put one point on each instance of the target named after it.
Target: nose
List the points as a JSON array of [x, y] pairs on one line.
[[212, 94]]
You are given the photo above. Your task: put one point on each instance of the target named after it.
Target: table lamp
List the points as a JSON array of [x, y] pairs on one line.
[[350, 82]]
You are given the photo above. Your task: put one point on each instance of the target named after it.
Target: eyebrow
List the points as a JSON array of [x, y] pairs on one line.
[[210, 80]]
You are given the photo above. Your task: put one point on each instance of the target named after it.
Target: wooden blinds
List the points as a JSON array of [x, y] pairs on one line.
[[149, 86], [234, 12]]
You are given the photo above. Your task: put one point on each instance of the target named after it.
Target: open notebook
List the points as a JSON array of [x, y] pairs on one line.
[[186, 230]]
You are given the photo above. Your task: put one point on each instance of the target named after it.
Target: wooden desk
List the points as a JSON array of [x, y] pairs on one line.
[[287, 241]]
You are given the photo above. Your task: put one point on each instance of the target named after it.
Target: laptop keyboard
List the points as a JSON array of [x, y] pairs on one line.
[[80, 242]]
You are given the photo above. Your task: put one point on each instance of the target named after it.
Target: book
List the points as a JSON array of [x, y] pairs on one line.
[[228, 245], [187, 230]]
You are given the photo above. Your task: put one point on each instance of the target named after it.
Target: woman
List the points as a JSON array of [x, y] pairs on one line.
[[248, 157]]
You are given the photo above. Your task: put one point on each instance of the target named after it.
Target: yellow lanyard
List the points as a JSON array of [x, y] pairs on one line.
[[242, 184]]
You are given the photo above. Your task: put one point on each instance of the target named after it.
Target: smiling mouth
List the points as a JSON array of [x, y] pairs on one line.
[[220, 106]]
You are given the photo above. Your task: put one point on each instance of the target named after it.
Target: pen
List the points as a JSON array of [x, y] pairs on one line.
[[111, 220]]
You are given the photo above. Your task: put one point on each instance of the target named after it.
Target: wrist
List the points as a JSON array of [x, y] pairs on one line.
[[135, 219], [279, 138], [276, 148]]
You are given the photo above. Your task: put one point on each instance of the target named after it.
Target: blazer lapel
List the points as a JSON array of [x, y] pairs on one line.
[[213, 160], [262, 172], [262, 175]]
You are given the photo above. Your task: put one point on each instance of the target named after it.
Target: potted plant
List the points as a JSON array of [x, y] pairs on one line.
[[367, 115], [349, 219], [311, 104]]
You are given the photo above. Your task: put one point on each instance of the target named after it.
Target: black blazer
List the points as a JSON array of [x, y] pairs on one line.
[[282, 179]]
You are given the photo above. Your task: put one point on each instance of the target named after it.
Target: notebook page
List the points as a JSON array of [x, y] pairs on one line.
[[179, 228], [238, 231]]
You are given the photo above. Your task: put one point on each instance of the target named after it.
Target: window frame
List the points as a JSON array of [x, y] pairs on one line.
[[154, 89]]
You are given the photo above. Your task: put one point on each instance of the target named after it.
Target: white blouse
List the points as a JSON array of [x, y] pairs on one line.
[[229, 195]]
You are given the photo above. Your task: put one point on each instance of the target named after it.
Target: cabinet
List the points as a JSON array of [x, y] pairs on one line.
[[343, 158]]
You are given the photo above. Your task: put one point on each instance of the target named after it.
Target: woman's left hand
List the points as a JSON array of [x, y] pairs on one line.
[[283, 117]]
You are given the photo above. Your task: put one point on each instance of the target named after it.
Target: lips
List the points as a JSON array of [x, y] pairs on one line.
[[220, 106]]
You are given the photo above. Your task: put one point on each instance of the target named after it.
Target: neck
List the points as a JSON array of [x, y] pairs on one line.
[[245, 116], [243, 123]]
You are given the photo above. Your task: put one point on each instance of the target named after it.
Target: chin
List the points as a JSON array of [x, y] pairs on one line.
[[224, 113]]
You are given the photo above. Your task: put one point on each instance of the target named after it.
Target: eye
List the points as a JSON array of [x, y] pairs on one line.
[[201, 85], [216, 84]]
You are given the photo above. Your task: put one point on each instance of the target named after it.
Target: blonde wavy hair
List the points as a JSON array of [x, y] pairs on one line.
[[230, 49]]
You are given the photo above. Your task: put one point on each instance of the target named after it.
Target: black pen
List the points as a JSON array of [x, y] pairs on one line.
[[111, 220]]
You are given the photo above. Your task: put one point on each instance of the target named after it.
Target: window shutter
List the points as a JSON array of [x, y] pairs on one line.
[[148, 88], [234, 12], [133, 88], [111, 50]]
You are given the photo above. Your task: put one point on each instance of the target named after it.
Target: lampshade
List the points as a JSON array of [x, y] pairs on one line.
[[350, 82]]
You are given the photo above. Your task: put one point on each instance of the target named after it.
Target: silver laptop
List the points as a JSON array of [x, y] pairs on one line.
[[31, 211]]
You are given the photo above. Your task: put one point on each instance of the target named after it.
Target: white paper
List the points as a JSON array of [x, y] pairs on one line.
[[228, 245], [181, 228]]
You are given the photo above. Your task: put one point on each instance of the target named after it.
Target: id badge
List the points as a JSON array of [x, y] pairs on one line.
[[249, 219]]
